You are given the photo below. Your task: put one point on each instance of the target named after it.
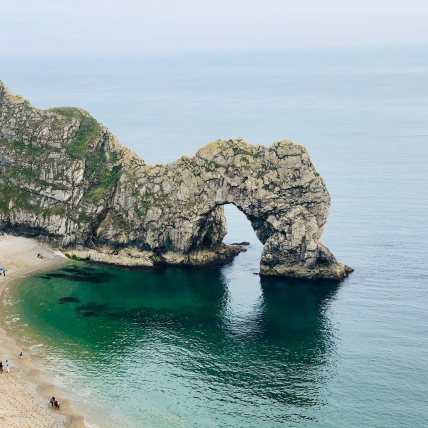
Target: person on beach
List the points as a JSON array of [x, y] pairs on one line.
[[7, 366], [4, 271], [52, 401], [20, 355], [57, 405], [1, 366]]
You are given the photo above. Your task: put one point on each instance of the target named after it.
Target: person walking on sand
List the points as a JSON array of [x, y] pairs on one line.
[[7, 366], [20, 355], [1, 366], [52, 401], [4, 271]]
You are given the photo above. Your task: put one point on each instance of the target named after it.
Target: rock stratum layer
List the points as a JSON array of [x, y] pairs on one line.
[[67, 180]]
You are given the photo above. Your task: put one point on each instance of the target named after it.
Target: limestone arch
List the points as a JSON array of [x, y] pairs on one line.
[[280, 193]]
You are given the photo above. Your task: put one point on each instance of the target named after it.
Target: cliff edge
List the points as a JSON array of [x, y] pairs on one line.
[[67, 180]]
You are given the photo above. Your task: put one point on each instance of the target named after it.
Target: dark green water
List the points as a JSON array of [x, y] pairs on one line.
[[182, 348]]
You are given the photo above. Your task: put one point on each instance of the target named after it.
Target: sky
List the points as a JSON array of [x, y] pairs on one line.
[[40, 27]]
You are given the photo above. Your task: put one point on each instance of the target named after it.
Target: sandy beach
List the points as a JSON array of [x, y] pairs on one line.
[[24, 393]]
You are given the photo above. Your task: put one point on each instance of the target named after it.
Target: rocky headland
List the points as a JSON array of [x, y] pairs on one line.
[[66, 180]]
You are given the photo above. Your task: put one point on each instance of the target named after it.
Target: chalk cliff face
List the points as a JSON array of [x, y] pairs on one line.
[[67, 180]]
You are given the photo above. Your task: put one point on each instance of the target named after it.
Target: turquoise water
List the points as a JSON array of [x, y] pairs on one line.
[[221, 347], [181, 350]]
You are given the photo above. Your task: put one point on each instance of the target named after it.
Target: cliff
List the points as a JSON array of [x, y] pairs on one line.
[[67, 180]]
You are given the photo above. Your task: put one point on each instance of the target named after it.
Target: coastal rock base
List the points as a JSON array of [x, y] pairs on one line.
[[132, 257], [335, 271]]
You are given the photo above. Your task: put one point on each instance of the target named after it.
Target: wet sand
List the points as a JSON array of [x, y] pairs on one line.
[[24, 393]]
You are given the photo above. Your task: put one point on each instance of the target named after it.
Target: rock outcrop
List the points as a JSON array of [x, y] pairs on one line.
[[67, 180]]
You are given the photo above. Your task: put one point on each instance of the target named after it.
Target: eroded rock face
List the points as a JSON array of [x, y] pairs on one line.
[[66, 179]]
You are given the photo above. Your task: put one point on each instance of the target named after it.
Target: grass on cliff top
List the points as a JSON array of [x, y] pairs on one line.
[[89, 130]]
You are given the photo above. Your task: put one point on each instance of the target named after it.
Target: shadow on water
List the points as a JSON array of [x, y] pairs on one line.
[[288, 310], [77, 274], [293, 318], [167, 297], [285, 350], [293, 307], [280, 351]]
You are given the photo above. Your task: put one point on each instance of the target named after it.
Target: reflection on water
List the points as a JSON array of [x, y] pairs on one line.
[[296, 309], [187, 347]]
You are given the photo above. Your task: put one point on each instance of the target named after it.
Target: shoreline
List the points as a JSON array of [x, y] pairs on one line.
[[25, 392]]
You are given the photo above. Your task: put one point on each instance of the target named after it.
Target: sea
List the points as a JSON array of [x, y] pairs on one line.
[[222, 347]]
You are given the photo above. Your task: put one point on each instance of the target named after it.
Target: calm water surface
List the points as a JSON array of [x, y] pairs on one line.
[[221, 347]]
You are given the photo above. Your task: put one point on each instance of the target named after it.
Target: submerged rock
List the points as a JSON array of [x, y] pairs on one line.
[[69, 299], [67, 180]]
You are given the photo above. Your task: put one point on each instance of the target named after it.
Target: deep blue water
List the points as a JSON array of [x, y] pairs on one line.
[[221, 347]]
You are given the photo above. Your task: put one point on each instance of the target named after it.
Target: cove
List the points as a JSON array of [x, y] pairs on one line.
[[180, 346]]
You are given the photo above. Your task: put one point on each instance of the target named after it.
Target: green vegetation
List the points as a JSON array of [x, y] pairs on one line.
[[89, 130], [58, 209], [139, 212], [149, 200], [27, 150], [21, 173], [144, 207], [26, 175], [102, 178], [238, 151], [83, 218], [146, 204], [20, 198], [211, 166], [74, 257], [24, 199], [119, 222]]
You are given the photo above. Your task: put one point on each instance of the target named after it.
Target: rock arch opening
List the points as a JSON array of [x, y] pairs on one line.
[[239, 228]]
